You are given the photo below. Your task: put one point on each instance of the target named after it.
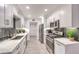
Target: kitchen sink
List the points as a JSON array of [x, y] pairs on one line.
[[4, 38], [17, 37]]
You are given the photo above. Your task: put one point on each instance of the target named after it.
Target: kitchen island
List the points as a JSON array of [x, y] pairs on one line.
[[14, 46], [65, 46]]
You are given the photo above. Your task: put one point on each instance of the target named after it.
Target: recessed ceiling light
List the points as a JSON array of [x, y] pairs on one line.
[[61, 12], [45, 10], [27, 7]]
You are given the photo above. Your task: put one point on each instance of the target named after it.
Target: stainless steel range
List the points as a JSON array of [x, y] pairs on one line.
[[50, 43], [50, 39]]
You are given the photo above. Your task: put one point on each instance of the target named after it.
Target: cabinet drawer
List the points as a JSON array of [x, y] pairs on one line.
[[58, 43], [59, 48]]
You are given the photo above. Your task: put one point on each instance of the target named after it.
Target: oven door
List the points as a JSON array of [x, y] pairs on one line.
[[50, 44]]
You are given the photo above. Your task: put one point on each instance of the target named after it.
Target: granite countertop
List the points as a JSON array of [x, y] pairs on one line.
[[66, 41], [8, 45]]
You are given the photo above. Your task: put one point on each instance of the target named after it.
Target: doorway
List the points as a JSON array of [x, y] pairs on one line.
[[33, 27]]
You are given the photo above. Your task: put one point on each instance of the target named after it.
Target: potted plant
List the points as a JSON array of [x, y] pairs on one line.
[[71, 33], [23, 31], [19, 30]]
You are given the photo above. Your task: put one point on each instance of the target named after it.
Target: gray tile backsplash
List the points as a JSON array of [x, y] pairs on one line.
[[1, 33], [5, 32]]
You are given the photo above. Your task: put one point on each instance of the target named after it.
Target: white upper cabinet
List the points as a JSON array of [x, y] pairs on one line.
[[1, 16], [70, 16], [20, 21], [75, 15], [6, 16], [66, 16]]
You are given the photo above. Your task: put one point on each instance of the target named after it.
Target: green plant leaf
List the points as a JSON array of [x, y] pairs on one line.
[[71, 32]]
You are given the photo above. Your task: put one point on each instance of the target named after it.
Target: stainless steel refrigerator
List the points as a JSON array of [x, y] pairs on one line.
[[41, 33]]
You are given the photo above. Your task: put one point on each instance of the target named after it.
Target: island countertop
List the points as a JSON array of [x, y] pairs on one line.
[[66, 41], [8, 45]]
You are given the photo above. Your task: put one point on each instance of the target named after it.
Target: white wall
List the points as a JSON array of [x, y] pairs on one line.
[[26, 23]]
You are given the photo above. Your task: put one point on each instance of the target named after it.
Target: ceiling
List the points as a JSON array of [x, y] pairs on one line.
[[37, 10]]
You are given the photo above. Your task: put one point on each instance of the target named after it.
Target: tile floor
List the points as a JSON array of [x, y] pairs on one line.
[[35, 47]]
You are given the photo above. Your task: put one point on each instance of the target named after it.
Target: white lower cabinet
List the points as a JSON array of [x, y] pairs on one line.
[[59, 48], [20, 49], [16, 50], [65, 46], [23, 46]]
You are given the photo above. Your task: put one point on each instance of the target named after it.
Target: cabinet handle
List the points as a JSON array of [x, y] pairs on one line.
[[58, 44]]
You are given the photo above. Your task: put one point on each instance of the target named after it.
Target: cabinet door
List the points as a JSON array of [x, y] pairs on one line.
[[20, 48], [66, 16], [8, 16], [23, 45], [75, 15], [1, 16], [59, 48], [65, 20], [16, 50]]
